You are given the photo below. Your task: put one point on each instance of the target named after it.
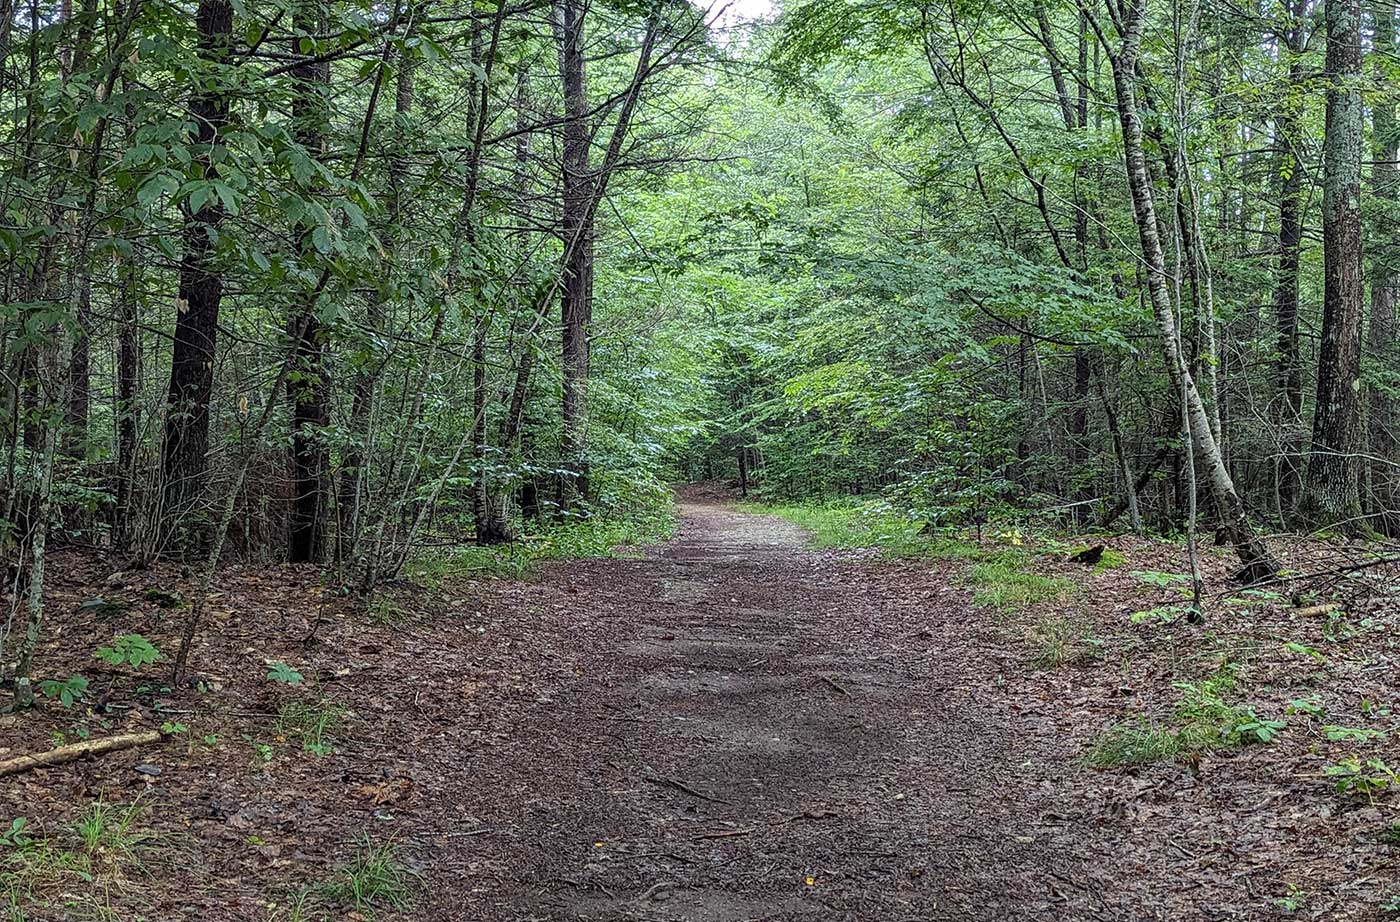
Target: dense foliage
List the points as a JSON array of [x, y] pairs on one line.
[[330, 281]]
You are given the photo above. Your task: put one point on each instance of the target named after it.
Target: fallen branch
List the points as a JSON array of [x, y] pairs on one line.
[[77, 750], [723, 834], [684, 788], [1323, 609], [818, 814], [834, 684]]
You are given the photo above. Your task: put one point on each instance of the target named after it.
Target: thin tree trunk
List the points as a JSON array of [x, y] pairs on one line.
[[128, 369], [1288, 372], [353, 485], [1383, 495], [1257, 562], [307, 389], [56, 396]]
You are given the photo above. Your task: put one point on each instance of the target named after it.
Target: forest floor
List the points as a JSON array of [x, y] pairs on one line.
[[728, 726]]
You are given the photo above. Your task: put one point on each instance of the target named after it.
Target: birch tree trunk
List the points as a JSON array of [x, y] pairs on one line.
[[1257, 563]]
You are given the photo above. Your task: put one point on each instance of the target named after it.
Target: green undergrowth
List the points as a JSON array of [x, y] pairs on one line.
[[1202, 720], [79, 867], [1062, 640], [853, 526], [1004, 579], [376, 883], [598, 536]]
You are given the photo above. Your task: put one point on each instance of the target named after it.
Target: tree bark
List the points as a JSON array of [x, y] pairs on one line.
[[128, 368], [1288, 370], [307, 387], [576, 303], [1383, 494], [186, 444], [1333, 486], [1257, 563]]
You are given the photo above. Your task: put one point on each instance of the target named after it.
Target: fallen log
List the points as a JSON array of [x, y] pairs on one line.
[[74, 751]]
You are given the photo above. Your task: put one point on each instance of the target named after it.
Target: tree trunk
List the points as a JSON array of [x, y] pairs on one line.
[[128, 366], [577, 269], [307, 388], [1333, 496], [1383, 495], [201, 288], [353, 486], [1288, 372], [80, 369], [1257, 562]]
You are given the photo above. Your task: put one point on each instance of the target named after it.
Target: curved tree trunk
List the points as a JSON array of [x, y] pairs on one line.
[[1257, 562]]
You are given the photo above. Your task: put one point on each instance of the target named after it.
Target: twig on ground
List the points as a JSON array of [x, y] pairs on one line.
[[834, 684], [683, 787], [77, 750], [1323, 609], [723, 834]]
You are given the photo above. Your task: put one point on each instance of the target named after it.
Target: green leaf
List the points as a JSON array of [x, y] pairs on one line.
[[281, 672], [158, 185]]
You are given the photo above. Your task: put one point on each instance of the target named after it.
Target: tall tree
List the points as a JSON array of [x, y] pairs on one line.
[[1288, 374], [1385, 278], [201, 287], [307, 389], [1333, 486], [1257, 562], [576, 302]]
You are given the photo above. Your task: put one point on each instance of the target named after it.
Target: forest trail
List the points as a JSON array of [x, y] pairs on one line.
[[733, 727]]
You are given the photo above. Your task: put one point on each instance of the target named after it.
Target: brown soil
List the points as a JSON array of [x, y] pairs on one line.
[[730, 727]]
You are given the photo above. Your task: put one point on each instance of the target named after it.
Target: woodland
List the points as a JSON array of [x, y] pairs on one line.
[[351, 351]]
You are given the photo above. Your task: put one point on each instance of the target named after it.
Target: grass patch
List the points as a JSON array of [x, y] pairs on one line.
[[853, 526], [78, 868], [1202, 720], [376, 880], [1134, 742], [384, 611], [597, 536], [1003, 580], [314, 724], [1059, 640]]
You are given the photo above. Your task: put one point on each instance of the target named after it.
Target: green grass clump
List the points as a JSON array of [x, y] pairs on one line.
[[314, 724], [856, 526], [1059, 640], [1003, 580], [1201, 721], [595, 536], [1134, 742], [84, 865], [375, 879]]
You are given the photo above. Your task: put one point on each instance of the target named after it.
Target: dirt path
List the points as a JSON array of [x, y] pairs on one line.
[[732, 727], [737, 728]]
